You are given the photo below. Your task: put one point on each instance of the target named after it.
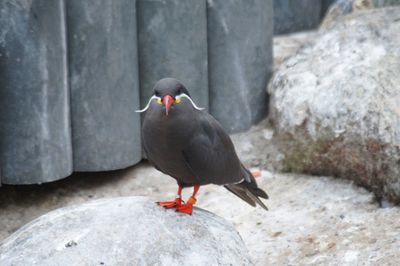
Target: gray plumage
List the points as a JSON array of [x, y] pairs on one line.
[[191, 146]]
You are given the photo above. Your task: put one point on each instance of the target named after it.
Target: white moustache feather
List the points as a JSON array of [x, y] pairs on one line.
[[180, 96]]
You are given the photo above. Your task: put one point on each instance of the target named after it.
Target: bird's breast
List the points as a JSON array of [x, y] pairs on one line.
[[164, 139]]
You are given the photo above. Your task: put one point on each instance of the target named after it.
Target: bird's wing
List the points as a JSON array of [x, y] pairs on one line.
[[211, 156]]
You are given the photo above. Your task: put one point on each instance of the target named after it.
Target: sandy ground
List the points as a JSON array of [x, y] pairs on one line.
[[312, 220]]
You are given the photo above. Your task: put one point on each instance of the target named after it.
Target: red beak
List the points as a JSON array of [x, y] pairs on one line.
[[168, 101]]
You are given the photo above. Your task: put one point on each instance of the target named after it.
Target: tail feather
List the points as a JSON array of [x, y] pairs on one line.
[[238, 191], [249, 192]]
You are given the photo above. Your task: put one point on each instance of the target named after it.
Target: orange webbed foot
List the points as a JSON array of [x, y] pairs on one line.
[[188, 207], [171, 204]]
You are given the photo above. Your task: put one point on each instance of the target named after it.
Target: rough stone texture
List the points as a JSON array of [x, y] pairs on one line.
[[335, 105], [257, 148], [240, 60], [173, 43], [104, 84], [35, 144], [125, 231], [285, 46], [296, 15], [339, 8]]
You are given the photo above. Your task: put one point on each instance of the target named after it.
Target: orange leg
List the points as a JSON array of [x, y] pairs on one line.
[[188, 207], [173, 203]]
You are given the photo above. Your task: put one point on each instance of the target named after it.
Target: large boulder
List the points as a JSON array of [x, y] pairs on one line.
[[335, 105], [333, 9], [125, 231]]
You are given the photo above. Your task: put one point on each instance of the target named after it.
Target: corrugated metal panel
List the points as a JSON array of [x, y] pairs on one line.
[[35, 143], [104, 84], [173, 43], [240, 60]]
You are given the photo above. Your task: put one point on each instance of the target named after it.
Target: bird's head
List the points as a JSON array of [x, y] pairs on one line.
[[169, 92]]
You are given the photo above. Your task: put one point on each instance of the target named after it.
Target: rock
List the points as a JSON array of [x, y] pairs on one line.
[[288, 45], [104, 84], [240, 60], [125, 231], [335, 105], [35, 141], [256, 147], [291, 16], [173, 43], [339, 8]]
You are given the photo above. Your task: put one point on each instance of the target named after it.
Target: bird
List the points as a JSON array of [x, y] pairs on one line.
[[185, 142]]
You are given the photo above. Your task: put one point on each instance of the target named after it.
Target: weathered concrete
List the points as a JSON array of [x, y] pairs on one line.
[[173, 43], [104, 84], [35, 144], [296, 15], [125, 231], [335, 105], [240, 60]]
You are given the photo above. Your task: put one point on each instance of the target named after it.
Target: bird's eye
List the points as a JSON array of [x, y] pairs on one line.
[[178, 100], [159, 101]]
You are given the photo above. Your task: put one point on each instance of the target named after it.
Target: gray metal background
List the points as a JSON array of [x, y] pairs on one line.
[[70, 71], [240, 60]]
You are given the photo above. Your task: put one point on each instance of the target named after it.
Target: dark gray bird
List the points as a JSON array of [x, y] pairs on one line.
[[187, 143]]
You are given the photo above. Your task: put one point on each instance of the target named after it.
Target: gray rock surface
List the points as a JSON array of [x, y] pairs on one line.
[[335, 105], [125, 231], [173, 43], [339, 8], [35, 143], [104, 84], [240, 60], [296, 15]]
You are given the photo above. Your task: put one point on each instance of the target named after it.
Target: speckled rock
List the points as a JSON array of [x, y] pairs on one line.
[[335, 105], [296, 15], [125, 231], [35, 141], [240, 60], [104, 84], [173, 43], [339, 8]]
